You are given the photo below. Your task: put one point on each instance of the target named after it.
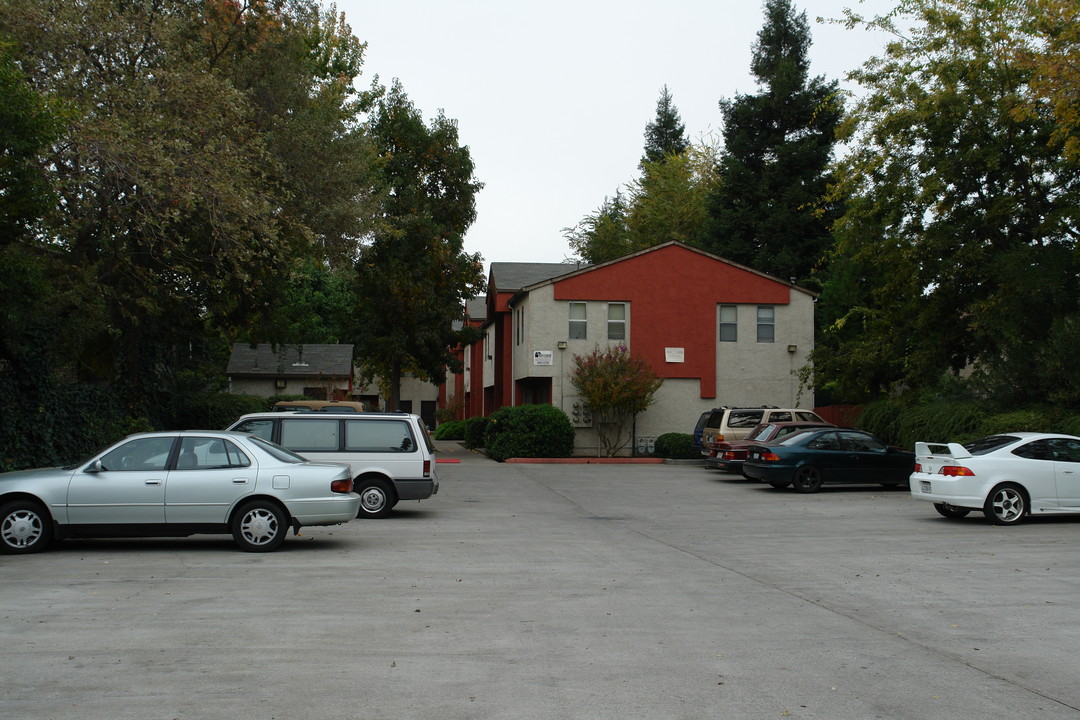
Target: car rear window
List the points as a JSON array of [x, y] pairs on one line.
[[744, 418], [278, 452], [378, 436], [989, 444]]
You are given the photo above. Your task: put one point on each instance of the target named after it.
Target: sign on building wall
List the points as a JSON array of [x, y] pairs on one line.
[[675, 355], [543, 357]]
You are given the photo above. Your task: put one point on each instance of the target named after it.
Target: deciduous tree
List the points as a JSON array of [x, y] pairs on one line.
[[958, 247], [414, 277], [617, 385]]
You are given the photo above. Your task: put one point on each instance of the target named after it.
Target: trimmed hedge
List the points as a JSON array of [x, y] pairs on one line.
[[533, 431], [677, 446], [475, 430], [905, 423], [451, 430]]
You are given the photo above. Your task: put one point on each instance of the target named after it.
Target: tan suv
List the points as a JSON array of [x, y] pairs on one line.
[[726, 423]]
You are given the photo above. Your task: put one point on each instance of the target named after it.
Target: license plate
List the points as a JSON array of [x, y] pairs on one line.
[[924, 486]]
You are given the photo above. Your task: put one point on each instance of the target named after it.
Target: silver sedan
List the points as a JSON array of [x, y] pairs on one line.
[[174, 484]]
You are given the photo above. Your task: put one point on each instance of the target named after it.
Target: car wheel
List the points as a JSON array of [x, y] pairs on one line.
[[25, 527], [376, 499], [807, 479], [259, 526], [951, 511], [1005, 505]]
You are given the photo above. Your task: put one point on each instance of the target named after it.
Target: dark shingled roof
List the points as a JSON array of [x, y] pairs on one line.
[[476, 308], [294, 360], [510, 277]]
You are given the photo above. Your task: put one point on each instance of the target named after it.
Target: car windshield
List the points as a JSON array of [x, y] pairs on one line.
[[989, 444], [276, 451]]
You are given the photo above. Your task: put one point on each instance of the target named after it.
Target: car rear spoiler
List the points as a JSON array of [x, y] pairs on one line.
[[955, 450]]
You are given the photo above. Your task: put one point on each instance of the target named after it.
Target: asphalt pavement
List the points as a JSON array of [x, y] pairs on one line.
[[542, 591]]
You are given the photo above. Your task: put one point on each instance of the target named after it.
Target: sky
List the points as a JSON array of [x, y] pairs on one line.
[[552, 98]]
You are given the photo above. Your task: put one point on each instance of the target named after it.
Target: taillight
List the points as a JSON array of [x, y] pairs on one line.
[[918, 467], [956, 471], [770, 457], [341, 486], [427, 468]]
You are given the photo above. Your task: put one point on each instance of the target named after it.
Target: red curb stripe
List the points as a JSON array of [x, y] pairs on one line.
[[589, 461]]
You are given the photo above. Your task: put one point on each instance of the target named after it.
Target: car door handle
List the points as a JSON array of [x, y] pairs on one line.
[[240, 481], [153, 482]]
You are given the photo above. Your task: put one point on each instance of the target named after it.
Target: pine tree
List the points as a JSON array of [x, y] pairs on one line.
[[767, 210], [666, 135]]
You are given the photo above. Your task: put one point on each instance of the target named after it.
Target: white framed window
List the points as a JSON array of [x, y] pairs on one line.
[[616, 321], [766, 323], [729, 323], [578, 321]]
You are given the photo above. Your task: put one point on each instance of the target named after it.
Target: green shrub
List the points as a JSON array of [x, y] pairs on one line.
[[452, 430], [1071, 425], [475, 429], [215, 411], [677, 446], [529, 431], [1017, 421]]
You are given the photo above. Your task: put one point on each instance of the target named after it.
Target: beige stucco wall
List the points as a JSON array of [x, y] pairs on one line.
[[266, 387], [748, 372], [751, 373]]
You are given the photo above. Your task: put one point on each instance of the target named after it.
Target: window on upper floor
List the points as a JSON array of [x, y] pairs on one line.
[[729, 323], [766, 323], [616, 321], [578, 322]]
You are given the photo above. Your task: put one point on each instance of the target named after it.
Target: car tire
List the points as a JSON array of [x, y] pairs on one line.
[[807, 479], [951, 511], [25, 527], [779, 484], [259, 526], [1006, 504], [376, 498]]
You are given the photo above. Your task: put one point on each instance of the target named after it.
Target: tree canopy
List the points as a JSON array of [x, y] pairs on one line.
[[414, 277], [767, 209], [665, 135], [957, 250]]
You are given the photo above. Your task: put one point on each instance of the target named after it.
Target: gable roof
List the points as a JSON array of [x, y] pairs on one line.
[[290, 360], [511, 277], [658, 248]]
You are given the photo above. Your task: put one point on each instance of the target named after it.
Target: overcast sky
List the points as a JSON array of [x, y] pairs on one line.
[[552, 98]]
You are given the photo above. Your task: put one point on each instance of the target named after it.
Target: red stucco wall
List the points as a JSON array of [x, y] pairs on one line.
[[673, 293]]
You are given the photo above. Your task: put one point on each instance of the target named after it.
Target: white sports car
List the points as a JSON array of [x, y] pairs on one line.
[[1008, 477], [176, 484]]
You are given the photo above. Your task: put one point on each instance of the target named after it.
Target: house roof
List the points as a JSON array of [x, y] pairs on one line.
[[290, 360], [579, 270], [511, 277], [476, 308]]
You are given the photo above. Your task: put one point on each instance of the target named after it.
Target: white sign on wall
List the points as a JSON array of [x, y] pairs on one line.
[[543, 357], [675, 355]]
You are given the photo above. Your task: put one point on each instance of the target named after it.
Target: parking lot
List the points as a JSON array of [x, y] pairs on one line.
[[562, 591]]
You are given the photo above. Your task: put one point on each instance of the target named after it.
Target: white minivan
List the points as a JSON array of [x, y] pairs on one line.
[[391, 455]]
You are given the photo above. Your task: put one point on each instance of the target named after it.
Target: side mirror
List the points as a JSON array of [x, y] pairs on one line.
[[95, 467]]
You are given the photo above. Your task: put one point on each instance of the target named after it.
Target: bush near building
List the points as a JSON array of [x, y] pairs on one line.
[[453, 430], [475, 430], [535, 431], [676, 446]]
